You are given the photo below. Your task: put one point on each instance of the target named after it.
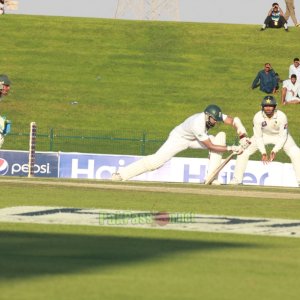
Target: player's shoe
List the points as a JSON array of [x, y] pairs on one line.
[[298, 25], [263, 27], [234, 181], [116, 177], [286, 29]]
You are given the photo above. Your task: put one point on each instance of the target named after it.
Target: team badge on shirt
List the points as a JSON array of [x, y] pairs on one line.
[[264, 124]]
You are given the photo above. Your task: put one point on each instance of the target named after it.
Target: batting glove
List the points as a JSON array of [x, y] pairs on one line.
[[236, 149], [245, 142]]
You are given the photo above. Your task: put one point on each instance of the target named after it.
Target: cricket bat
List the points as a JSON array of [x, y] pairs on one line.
[[214, 174]]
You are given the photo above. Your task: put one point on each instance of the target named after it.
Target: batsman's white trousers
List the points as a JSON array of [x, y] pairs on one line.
[[290, 148], [173, 145]]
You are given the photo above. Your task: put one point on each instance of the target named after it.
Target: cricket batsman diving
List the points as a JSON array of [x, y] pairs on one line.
[[270, 126], [192, 133]]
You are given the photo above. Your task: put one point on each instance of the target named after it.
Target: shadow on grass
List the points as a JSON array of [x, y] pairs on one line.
[[24, 254]]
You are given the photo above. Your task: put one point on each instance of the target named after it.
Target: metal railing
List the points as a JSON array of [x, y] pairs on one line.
[[127, 142], [74, 140]]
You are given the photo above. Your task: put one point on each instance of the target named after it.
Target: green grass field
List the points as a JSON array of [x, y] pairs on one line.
[[139, 77], [133, 76], [83, 262]]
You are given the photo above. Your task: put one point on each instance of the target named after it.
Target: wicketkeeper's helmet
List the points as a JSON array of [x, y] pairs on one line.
[[268, 101], [214, 111]]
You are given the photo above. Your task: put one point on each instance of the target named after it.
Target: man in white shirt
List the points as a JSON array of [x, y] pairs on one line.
[[270, 126], [192, 133], [290, 91], [295, 68]]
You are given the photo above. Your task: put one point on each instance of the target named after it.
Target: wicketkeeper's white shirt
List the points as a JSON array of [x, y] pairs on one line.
[[272, 130]]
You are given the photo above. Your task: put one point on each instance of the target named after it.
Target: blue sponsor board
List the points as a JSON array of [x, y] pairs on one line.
[[91, 166], [15, 163], [178, 169]]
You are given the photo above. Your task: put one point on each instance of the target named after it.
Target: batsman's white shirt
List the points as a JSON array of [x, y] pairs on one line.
[[194, 128], [272, 130], [292, 90], [189, 134]]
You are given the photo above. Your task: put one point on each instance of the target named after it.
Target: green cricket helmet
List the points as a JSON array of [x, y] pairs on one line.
[[268, 101], [215, 112]]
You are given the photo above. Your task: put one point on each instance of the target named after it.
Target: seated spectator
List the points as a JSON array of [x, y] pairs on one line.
[[275, 18], [266, 80], [295, 68], [290, 93]]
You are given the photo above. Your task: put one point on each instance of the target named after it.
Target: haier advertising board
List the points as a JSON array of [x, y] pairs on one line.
[[178, 169]]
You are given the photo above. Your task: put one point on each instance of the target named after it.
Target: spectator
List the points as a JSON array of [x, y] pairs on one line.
[[266, 80], [275, 18], [295, 68], [290, 91], [290, 12]]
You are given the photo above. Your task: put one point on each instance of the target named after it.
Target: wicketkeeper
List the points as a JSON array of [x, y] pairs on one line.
[[192, 133], [270, 126]]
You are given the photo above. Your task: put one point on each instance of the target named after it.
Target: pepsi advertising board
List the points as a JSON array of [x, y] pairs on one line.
[[15, 163]]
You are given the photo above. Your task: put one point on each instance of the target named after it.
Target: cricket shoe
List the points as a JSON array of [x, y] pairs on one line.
[[116, 177], [234, 181]]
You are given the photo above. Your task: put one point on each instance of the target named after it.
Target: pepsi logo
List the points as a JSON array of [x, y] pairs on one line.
[[3, 166]]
